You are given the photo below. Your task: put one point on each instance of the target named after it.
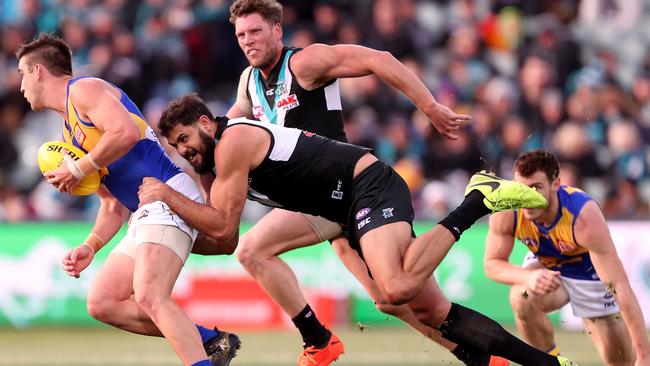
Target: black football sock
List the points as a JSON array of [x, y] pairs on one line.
[[312, 331], [471, 357], [471, 329], [471, 209]]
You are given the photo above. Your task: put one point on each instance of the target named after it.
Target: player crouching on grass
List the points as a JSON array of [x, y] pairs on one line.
[[572, 260]]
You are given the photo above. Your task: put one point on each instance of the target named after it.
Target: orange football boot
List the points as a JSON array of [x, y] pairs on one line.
[[313, 356], [498, 361]]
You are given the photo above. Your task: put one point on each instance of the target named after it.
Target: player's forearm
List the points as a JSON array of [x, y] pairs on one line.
[[502, 271], [394, 73], [205, 245], [113, 145], [206, 219], [110, 217], [633, 316]]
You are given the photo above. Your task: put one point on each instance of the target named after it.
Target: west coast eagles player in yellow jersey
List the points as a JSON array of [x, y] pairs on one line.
[[572, 260], [133, 288]]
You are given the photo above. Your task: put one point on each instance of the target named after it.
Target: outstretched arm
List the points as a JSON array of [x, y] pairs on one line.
[[110, 218], [591, 231], [319, 63]]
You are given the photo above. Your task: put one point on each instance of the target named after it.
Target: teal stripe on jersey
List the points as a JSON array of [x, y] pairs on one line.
[[270, 111]]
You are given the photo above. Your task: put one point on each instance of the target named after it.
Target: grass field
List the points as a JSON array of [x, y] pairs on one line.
[[373, 346]]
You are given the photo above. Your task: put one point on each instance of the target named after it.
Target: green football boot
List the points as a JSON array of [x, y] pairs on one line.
[[503, 195], [565, 361]]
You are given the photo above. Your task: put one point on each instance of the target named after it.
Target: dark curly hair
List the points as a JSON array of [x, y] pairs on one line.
[[538, 160], [185, 110]]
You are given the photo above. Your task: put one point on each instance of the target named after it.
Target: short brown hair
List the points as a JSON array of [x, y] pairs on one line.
[[538, 160], [49, 50], [185, 110], [270, 10]]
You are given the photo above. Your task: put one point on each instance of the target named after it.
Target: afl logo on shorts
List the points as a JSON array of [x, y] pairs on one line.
[[258, 111], [362, 213]]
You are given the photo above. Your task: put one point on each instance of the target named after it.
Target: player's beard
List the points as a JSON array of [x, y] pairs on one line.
[[267, 61], [206, 150]]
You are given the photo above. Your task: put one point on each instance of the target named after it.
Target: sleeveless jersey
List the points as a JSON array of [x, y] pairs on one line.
[[124, 176], [281, 100], [302, 171], [555, 245]]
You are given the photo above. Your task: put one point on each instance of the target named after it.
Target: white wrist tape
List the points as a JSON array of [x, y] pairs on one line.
[[74, 169], [92, 162]]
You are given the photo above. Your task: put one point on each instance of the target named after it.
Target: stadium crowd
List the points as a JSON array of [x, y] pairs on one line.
[[571, 76]]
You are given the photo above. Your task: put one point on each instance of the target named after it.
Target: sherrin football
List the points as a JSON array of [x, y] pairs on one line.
[[50, 157]]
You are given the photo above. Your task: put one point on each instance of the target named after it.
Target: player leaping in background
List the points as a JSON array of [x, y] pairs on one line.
[[572, 260], [132, 289]]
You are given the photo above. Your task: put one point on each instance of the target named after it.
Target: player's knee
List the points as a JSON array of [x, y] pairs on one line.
[[398, 292], [247, 256], [100, 309], [149, 301], [521, 300]]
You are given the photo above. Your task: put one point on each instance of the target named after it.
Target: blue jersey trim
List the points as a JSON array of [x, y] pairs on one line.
[[81, 120]]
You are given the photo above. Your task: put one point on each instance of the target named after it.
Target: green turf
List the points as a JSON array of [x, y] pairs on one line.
[[373, 346]]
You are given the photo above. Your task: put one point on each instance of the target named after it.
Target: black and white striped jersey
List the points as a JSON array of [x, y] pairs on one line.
[[303, 171], [280, 100]]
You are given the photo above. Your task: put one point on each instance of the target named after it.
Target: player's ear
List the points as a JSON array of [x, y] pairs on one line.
[[277, 28], [205, 123], [556, 183]]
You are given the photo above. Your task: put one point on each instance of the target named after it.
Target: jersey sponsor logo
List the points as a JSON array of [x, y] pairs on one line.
[[288, 102], [79, 135], [362, 213], [387, 212], [337, 194], [565, 247], [363, 223], [282, 89], [531, 243], [270, 92], [258, 111]]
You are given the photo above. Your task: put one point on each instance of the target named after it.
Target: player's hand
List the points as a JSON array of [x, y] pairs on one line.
[[77, 259], [62, 177], [543, 281], [446, 121], [152, 190]]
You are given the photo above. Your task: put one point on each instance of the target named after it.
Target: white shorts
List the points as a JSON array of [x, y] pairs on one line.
[[588, 298], [156, 223], [323, 228]]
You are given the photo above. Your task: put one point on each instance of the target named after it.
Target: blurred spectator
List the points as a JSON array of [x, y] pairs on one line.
[[572, 76], [624, 202]]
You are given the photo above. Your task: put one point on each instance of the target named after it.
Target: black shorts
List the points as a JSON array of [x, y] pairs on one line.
[[379, 197]]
